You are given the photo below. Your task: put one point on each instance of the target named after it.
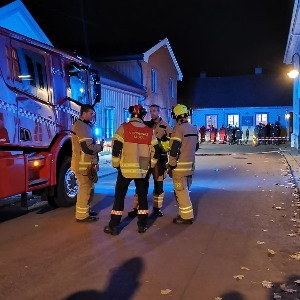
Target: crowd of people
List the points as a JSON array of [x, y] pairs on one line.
[[262, 134], [140, 149]]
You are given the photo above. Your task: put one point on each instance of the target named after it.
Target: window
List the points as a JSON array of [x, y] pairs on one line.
[[30, 69], [109, 122], [261, 118], [171, 86], [126, 115], [153, 81], [16, 66], [29, 72], [40, 76], [233, 120], [8, 62], [211, 120], [78, 84]]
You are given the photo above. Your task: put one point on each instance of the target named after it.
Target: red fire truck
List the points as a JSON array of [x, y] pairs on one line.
[[41, 90]]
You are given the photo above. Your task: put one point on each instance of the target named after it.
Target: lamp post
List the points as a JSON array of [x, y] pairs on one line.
[[294, 72]]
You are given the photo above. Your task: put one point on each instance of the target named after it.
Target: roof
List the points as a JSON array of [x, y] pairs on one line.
[[111, 77], [237, 91], [17, 18], [134, 51]]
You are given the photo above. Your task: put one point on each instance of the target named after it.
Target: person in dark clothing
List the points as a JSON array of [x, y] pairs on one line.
[[268, 132], [247, 136], [202, 131]]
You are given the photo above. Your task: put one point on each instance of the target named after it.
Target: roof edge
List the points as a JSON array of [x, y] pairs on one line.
[[163, 42]]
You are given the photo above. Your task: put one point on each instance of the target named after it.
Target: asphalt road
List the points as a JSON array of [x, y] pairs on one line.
[[244, 203]]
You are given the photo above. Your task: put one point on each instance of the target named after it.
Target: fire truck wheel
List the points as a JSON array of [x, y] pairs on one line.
[[67, 186]]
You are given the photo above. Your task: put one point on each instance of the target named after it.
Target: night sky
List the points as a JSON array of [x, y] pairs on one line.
[[221, 37]]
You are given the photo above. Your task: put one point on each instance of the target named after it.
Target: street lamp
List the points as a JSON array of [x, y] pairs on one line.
[[294, 72]]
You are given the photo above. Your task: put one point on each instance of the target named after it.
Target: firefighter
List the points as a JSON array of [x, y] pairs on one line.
[[135, 150], [184, 143], [84, 153], [162, 132]]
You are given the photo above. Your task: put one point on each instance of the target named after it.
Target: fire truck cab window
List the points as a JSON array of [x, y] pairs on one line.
[[30, 72], [78, 84]]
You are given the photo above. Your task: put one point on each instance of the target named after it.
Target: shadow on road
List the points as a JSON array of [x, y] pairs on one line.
[[122, 285], [15, 210], [289, 289], [232, 296]]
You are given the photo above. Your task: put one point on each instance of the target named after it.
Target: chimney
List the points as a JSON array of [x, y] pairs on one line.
[[258, 70], [202, 74]]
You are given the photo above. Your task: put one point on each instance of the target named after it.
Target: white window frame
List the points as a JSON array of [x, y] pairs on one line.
[[261, 118], [233, 120], [211, 120]]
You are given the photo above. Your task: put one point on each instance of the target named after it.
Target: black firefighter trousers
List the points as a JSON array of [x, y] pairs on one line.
[[141, 187]]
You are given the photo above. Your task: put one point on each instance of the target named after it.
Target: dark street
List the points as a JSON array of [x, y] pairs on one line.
[[244, 238]]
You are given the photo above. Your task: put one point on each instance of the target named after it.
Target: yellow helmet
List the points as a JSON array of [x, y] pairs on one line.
[[180, 111]]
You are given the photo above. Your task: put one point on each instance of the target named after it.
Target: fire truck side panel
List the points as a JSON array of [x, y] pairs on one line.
[[12, 173], [41, 91]]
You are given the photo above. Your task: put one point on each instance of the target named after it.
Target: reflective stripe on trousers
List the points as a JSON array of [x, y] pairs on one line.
[[181, 187], [85, 187]]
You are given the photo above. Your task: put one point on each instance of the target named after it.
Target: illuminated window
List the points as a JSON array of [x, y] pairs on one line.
[[109, 122], [261, 118], [211, 120], [233, 120], [126, 115], [153, 81], [78, 84]]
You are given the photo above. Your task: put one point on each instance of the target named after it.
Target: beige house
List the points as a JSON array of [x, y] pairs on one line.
[[156, 69]]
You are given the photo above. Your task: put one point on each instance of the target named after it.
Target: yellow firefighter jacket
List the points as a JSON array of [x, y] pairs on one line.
[[184, 143], [162, 131], [134, 149], [84, 149]]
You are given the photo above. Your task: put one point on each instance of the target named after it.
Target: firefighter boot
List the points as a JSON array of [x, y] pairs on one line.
[[179, 220], [133, 213], [112, 227], [157, 212], [142, 223], [111, 230], [158, 200]]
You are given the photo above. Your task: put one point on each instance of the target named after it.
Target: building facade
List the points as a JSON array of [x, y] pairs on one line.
[[240, 101], [155, 68], [292, 57]]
